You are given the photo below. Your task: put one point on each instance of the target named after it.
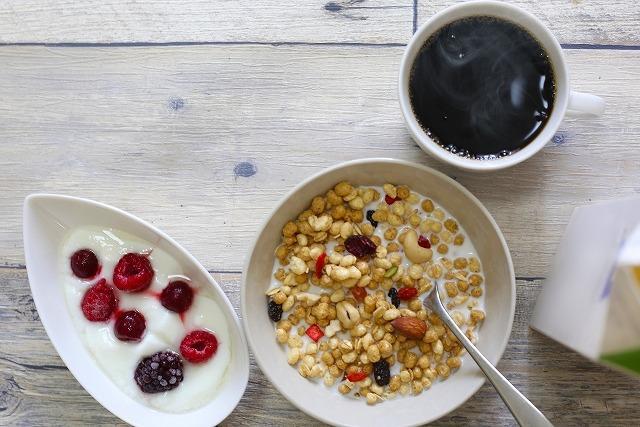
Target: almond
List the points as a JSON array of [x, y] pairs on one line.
[[410, 327]]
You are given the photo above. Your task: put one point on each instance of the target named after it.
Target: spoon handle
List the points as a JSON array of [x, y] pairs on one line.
[[525, 413]]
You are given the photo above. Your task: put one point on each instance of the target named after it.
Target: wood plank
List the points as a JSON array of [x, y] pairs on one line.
[[361, 21], [572, 21], [204, 141], [166, 21], [37, 388]]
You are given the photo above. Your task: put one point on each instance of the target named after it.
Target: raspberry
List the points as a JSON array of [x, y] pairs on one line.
[[130, 326], [393, 295], [381, 372], [159, 372], [199, 346], [177, 296], [99, 302], [274, 310], [84, 264], [360, 246], [133, 273]]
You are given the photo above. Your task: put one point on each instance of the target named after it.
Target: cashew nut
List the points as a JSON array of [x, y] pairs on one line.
[[416, 253], [347, 314]]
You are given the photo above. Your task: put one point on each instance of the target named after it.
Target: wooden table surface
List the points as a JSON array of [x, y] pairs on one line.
[[198, 115]]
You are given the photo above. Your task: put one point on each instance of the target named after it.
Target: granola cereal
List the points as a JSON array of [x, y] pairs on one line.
[[349, 276]]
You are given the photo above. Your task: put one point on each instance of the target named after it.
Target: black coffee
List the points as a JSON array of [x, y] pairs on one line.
[[482, 87]]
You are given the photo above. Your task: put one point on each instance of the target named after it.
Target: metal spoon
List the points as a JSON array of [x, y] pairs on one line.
[[525, 413]]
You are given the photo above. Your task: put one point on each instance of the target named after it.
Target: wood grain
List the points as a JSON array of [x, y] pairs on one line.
[[571, 21], [36, 388], [317, 21], [168, 21], [204, 141]]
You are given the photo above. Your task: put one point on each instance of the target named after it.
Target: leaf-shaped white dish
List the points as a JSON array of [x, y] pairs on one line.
[[48, 219]]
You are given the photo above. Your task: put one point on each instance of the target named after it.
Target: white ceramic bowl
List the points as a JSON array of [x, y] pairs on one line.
[[47, 218], [328, 405]]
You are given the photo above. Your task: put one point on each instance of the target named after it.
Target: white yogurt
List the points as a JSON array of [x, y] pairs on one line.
[[164, 329]]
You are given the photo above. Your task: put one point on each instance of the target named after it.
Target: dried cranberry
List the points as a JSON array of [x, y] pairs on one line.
[[360, 246], [407, 293], [424, 242], [390, 200], [359, 293], [84, 263], [130, 326]]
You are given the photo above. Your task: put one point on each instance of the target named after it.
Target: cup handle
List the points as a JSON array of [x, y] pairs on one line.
[[581, 104]]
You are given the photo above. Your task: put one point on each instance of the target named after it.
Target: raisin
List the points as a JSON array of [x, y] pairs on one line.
[[381, 372], [274, 310], [370, 218], [393, 295], [360, 246]]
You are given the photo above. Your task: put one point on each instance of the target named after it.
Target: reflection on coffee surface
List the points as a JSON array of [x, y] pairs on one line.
[[482, 87]]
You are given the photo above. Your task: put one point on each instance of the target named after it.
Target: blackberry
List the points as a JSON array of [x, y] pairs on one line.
[[360, 246], [381, 372], [159, 372], [274, 310], [393, 295], [370, 218]]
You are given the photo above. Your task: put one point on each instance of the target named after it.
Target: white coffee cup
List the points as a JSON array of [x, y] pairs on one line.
[[566, 100]]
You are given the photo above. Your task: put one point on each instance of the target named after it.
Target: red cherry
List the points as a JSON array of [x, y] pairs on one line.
[[177, 296], [84, 264], [99, 302], [199, 346], [424, 242], [133, 273], [130, 325]]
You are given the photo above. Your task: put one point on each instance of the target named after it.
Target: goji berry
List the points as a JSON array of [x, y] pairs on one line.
[[320, 264], [314, 332]]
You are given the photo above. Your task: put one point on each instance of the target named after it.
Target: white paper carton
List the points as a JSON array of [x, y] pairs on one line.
[[591, 301]]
